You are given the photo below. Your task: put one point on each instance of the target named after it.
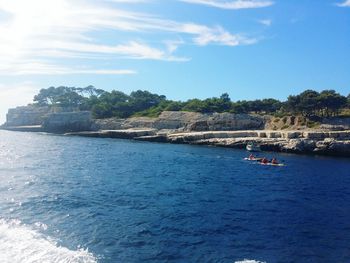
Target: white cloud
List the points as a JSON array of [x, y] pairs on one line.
[[265, 22], [205, 35], [45, 31], [344, 4], [42, 68], [131, 50], [53, 29], [201, 35], [237, 4]]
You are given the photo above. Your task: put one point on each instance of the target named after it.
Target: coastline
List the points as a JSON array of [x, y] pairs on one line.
[[217, 129], [336, 143], [311, 142]]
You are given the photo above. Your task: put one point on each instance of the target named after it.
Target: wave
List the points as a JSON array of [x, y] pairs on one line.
[[22, 244]]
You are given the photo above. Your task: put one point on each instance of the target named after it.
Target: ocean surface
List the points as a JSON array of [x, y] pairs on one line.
[[72, 199]]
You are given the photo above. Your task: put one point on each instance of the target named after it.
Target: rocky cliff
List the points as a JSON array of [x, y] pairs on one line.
[[63, 120], [67, 122], [185, 121], [217, 129], [26, 116], [49, 119]]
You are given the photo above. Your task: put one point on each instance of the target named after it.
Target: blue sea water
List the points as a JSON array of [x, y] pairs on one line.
[[72, 199]]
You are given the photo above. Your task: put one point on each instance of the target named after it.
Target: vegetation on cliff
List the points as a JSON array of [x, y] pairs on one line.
[[105, 104]]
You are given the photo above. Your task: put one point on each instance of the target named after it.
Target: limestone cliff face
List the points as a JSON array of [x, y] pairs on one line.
[[226, 122], [303, 123], [51, 119], [26, 116], [336, 123], [68, 122], [178, 119], [107, 124], [187, 121], [168, 120]]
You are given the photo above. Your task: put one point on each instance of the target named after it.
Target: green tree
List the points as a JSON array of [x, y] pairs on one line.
[[142, 100], [331, 102], [195, 105], [174, 106], [60, 96], [102, 110], [309, 102], [241, 106]]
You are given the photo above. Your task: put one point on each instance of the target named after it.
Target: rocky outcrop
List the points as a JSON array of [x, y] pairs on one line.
[[286, 123], [333, 147], [118, 134], [26, 116], [168, 120], [67, 121], [187, 121], [226, 122], [190, 137], [107, 124], [287, 141], [178, 119], [298, 145], [303, 123], [48, 119], [336, 123], [139, 122]]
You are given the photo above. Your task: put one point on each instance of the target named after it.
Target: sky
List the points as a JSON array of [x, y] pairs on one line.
[[179, 48]]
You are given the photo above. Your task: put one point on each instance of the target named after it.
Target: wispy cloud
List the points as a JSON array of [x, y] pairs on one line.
[[237, 4], [48, 31], [42, 68], [204, 35], [129, 50], [344, 4], [265, 22]]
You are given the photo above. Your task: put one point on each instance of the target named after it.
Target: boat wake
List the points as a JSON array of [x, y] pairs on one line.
[[20, 243]]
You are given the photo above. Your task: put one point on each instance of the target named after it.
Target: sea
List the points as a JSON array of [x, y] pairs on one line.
[[74, 199]]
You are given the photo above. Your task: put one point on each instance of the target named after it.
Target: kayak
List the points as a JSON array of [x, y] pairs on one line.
[[273, 164], [253, 159], [259, 161]]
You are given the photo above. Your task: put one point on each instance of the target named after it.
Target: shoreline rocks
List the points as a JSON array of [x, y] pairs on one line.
[[216, 129], [119, 134], [320, 142], [307, 142]]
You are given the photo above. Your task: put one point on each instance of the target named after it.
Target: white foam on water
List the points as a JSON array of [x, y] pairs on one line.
[[21, 244], [249, 261]]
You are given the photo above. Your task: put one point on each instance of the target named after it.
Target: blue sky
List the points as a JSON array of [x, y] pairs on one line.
[[180, 48]]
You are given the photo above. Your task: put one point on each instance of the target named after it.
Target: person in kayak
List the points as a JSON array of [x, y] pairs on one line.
[[274, 161], [264, 160], [251, 157]]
